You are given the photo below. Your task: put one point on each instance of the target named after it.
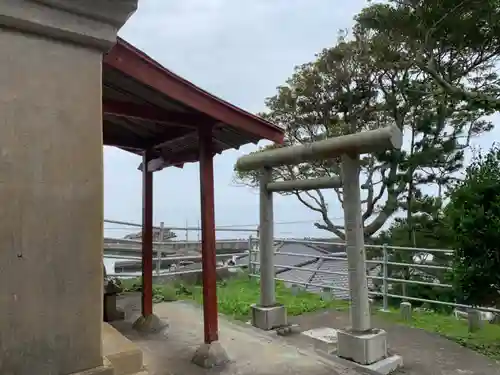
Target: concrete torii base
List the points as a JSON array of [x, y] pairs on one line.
[[356, 349], [210, 355], [367, 350], [149, 324], [268, 318]]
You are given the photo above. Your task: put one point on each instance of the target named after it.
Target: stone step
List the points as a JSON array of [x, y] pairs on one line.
[[125, 357]]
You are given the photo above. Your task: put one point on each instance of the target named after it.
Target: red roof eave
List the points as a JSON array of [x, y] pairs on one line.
[[136, 64]]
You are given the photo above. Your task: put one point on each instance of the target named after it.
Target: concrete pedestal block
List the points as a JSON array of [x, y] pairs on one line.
[[111, 312], [364, 348], [210, 355], [268, 318], [150, 324]]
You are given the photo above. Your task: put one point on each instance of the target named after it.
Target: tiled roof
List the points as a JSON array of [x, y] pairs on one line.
[[311, 267]]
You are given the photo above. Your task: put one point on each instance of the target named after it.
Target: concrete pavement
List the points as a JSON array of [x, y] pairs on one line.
[[250, 350]]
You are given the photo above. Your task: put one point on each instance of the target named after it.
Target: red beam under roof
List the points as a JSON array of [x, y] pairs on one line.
[[150, 113], [136, 64]]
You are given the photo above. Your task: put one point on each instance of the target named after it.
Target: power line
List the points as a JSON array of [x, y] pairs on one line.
[[276, 223], [234, 225]]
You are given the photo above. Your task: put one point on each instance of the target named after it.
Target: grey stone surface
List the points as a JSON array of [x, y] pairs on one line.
[[251, 351], [268, 318], [51, 186], [324, 338], [111, 312], [363, 348], [405, 309], [474, 320], [88, 22], [150, 324], [385, 366], [105, 369], [210, 355], [424, 353]]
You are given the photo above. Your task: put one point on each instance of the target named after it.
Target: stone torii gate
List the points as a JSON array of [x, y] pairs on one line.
[[359, 343]]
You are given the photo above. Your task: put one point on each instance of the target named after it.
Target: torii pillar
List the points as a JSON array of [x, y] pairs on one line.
[[51, 183]]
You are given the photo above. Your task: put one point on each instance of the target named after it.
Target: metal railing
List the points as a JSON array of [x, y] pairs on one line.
[[116, 248], [383, 262], [160, 272]]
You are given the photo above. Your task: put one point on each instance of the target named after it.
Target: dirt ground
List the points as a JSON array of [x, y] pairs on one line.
[[423, 353]]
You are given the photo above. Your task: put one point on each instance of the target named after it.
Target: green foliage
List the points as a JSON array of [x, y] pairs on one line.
[[474, 217], [427, 232], [370, 80], [235, 297], [448, 40]]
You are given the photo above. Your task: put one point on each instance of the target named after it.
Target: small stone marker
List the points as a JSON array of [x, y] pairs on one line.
[[405, 308], [295, 289], [326, 295], [474, 320]]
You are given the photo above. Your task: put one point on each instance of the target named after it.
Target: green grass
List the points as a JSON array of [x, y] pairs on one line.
[[235, 297], [485, 341]]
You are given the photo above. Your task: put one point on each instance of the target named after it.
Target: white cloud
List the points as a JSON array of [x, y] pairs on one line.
[[239, 50]]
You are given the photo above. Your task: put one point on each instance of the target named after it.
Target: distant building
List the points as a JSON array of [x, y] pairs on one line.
[[167, 235]]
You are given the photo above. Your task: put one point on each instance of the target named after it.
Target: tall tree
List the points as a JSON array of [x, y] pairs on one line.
[[439, 33], [362, 84], [474, 217]]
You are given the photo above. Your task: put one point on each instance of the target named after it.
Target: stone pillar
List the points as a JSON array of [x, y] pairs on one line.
[[51, 182], [267, 271], [474, 320], [356, 258], [405, 309], [359, 343], [267, 314]]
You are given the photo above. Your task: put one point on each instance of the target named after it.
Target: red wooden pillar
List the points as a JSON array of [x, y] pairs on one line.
[[210, 317], [147, 237]]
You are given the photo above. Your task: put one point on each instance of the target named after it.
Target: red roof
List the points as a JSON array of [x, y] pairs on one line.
[[147, 106]]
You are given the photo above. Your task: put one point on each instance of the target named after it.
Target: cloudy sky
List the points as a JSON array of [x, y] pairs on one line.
[[241, 51]]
